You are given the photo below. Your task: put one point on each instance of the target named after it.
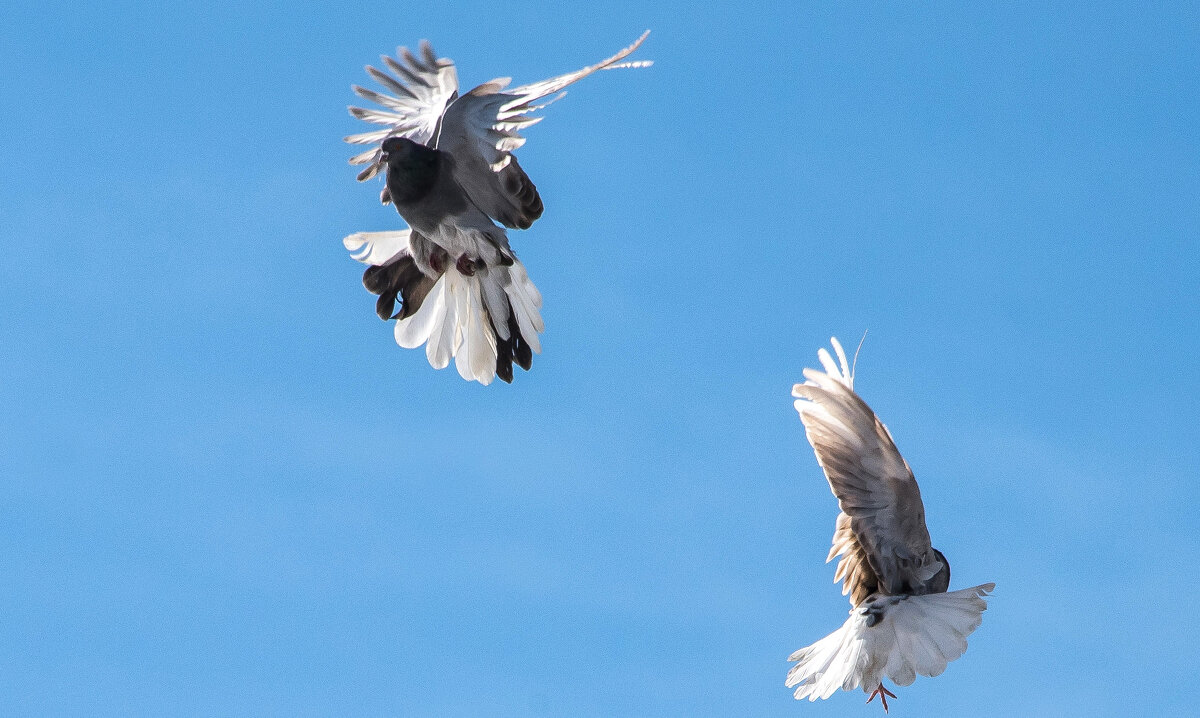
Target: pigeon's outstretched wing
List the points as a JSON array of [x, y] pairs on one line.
[[481, 130], [393, 272], [881, 534], [423, 86]]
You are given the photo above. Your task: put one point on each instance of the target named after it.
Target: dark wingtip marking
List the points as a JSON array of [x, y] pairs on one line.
[[513, 349], [401, 280], [385, 305], [504, 369], [524, 202], [376, 279], [520, 349], [523, 355]]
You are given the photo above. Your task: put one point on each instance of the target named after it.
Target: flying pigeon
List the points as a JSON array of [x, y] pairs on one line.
[[902, 621], [451, 175]]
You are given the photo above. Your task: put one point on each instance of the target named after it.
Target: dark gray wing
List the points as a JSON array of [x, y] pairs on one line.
[[394, 274], [884, 523], [481, 130], [398, 280]]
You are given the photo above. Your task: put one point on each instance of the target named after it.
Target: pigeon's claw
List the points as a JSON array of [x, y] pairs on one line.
[[467, 266], [437, 261], [883, 694]]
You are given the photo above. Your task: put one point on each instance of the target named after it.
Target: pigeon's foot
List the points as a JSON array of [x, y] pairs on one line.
[[467, 266], [883, 694], [437, 260]]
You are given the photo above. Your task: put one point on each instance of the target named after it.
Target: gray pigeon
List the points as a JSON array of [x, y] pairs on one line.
[[451, 175], [902, 621]]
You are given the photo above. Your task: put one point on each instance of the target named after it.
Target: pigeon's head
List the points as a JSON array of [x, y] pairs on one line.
[[412, 169], [400, 148]]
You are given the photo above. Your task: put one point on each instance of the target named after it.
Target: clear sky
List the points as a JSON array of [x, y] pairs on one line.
[[225, 491]]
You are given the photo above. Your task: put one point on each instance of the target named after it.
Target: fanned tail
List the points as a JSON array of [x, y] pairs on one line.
[[485, 322], [894, 637]]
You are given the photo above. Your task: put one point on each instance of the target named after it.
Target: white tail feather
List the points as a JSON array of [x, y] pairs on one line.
[[475, 355], [440, 347], [496, 303], [415, 330], [916, 635], [526, 301], [453, 321]]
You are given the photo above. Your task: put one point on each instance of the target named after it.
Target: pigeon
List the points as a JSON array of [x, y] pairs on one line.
[[451, 175], [903, 622]]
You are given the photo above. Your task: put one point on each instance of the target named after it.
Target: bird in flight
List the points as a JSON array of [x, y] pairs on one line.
[[450, 173], [902, 620]]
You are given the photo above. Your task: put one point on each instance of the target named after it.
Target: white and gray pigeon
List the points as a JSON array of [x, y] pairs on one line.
[[902, 621], [451, 175]]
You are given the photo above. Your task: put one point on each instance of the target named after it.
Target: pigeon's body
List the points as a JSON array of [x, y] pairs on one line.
[[903, 622], [421, 184], [451, 175]]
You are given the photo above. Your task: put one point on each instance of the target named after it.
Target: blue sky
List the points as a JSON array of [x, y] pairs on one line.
[[227, 492]]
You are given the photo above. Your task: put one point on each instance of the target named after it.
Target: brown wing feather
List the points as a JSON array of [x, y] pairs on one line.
[[854, 569], [874, 486]]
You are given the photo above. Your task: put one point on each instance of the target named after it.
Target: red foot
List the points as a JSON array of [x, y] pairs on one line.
[[883, 694], [437, 261], [467, 266]]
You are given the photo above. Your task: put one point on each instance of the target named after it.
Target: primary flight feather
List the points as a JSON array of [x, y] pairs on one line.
[[451, 175]]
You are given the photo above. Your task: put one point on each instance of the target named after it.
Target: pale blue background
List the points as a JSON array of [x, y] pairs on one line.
[[226, 492]]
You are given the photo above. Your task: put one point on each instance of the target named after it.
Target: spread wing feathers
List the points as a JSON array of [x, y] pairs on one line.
[[481, 130], [376, 247], [394, 273], [401, 279], [854, 569], [897, 637], [423, 86], [484, 323], [536, 90], [873, 484]]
